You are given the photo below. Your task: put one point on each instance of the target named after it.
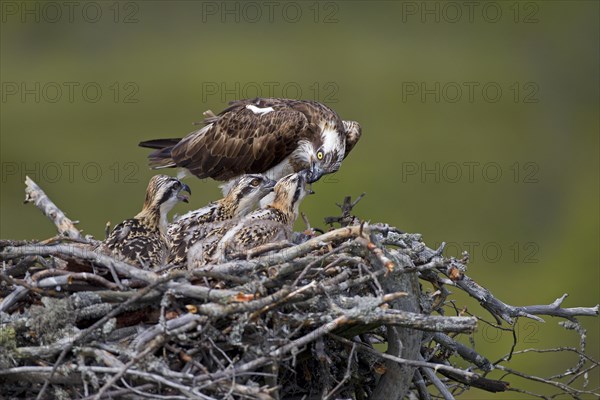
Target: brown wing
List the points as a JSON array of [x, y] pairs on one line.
[[240, 141]]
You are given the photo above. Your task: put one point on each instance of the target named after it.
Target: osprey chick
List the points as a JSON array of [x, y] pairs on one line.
[[141, 240], [242, 198], [272, 136], [274, 222]]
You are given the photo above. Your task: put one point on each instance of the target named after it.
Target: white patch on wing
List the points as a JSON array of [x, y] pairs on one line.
[[257, 110]]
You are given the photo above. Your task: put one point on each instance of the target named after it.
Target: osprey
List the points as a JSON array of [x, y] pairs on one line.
[[192, 226], [271, 136], [272, 223], [141, 240]]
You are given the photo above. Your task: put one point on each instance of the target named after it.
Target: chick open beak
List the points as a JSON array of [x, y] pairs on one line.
[[305, 175], [183, 197]]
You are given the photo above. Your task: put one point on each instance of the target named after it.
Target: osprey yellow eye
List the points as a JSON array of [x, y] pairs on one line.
[[320, 155], [255, 182]]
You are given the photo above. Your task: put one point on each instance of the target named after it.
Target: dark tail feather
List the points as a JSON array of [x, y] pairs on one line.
[[159, 143], [161, 158]]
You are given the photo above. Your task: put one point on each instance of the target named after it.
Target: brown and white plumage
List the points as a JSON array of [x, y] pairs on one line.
[[241, 199], [272, 136], [141, 240], [273, 222]]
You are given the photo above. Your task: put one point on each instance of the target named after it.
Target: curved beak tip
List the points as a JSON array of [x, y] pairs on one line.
[[183, 197], [313, 175], [312, 178]]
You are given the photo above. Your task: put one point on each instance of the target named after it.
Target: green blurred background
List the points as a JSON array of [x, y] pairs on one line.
[[480, 124]]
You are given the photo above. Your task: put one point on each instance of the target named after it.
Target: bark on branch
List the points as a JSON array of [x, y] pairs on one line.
[[301, 321], [34, 194]]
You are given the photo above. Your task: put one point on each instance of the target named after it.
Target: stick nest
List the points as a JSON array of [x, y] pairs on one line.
[[356, 312]]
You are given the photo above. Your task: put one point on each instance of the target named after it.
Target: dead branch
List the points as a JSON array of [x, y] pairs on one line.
[[80, 253], [346, 207], [34, 194], [415, 363], [282, 321], [499, 309]]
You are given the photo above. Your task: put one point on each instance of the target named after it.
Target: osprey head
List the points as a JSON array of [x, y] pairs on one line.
[[289, 192], [325, 154], [162, 194], [335, 143], [247, 190], [164, 190]]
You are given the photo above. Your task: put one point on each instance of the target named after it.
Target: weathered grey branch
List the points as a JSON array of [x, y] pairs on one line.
[[81, 253], [346, 207], [465, 352], [66, 280], [10, 300], [498, 309], [501, 310], [282, 321], [413, 363], [34, 194], [439, 385]]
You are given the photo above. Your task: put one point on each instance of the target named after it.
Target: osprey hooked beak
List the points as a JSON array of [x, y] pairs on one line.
[[181, 196], [314, 173], [270, 185], [306, 175]]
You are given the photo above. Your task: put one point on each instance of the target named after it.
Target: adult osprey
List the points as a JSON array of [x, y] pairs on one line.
[[271, 136]]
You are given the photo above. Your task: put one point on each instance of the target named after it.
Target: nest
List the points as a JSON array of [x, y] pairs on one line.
[[356, 312]]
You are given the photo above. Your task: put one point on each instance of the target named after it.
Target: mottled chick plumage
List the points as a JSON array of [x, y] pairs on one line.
[[273, 222], [242, 198], [141, 240]]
